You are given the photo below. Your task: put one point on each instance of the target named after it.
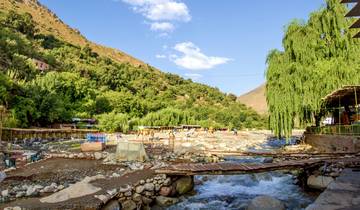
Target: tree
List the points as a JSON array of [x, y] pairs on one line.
[[23, 23], [319, 56]]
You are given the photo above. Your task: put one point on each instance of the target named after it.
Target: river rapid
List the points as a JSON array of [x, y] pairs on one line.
[[236, 191]]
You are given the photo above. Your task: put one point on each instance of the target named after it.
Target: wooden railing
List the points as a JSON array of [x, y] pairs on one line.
[[346, 130]]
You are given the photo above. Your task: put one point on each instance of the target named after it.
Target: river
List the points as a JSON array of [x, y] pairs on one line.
[[235, 191]]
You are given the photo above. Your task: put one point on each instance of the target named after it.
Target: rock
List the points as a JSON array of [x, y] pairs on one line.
[[165, 191], [128, 205], [124, 188], [334, 174], [139, 189], [20, 194], [265, 203], [112, 205], [136, 197], [128, 193], [166, 201], [149, 187], [81, 155], [142, 181], [13, 208], [60, 187], [103, 198], [184, 185], [2, 176], [268, 160], [97, 155], [5, 193], [319, 182], [31, 191], [167, 181], [71, 156], [111, 192], [147, 200], [38, 187], [49, 189], [115, 175]]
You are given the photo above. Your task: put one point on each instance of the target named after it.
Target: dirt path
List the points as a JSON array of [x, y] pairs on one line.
[[88, 202]]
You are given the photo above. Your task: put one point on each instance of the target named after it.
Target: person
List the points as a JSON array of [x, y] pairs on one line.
[[345, 116]]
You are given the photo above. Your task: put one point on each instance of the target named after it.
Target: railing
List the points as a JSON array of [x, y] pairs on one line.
[[346, 130]]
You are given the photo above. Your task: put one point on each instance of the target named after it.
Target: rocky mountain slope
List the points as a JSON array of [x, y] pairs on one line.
[[256, 99]]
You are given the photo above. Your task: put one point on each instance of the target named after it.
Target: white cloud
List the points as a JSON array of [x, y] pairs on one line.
[[192, 58], [160, 56], [193, 76], [163, 26], [161, 12]]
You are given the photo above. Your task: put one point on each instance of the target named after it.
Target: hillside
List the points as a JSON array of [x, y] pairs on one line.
[[49, 23], [75, 80], [255, 99]]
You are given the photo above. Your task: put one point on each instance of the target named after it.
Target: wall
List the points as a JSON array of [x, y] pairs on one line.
[[333, 143]]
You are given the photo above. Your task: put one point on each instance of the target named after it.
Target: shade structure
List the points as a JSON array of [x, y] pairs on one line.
[[357, 35], [354, 12], [356, 24], [349, 1], [347, 95]]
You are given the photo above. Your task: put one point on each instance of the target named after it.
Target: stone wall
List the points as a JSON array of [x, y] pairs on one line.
[[333, 143]]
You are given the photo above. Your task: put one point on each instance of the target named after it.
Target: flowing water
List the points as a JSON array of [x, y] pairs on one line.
[[235, 191]]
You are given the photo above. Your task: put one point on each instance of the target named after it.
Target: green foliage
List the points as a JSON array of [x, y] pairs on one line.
[[80, 83], [319, 56]]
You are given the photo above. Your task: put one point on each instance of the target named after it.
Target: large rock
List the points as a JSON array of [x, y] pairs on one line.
[[184, 184], [112, 205], [165, 191], [166, 201], [319, 182], [128, 205], [149, 187], [265, 203]]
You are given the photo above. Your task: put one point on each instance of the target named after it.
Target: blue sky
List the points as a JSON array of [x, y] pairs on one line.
[[222, 43]]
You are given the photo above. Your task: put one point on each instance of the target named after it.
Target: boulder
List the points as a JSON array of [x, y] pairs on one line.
[[184, 184], [139, 189], [31, 191], [112, 205], [149, 187], [319, 182], [128, 205], [265, 203], [97, 155], [5, 193], [165, 191], [166, 201]]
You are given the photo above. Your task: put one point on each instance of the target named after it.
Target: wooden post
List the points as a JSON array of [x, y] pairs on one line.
[[1, 122]]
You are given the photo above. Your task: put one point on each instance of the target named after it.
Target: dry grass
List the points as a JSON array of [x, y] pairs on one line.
[[255, 99]]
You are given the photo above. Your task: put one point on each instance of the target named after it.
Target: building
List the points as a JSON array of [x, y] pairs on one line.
[[343, 133], [354, 12], [40, 65]]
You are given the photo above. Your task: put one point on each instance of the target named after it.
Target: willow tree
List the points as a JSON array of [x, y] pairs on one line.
[[319, 56]]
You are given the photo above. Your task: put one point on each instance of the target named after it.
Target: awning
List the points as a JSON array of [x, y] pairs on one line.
[[343, 96]]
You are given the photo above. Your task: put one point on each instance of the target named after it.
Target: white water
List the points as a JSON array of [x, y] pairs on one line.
[[236, 191]]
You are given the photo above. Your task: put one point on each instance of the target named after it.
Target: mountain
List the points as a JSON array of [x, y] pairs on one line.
[[50, 73], [49, 23], [256, 99]]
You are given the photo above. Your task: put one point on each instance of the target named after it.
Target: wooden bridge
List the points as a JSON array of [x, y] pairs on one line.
[[227, 168]]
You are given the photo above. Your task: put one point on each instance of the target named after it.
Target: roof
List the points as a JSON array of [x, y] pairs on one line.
[[343, 96], [354, 12]]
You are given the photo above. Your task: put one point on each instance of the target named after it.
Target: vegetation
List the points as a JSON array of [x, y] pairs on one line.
[[319, 56], [82, 83]]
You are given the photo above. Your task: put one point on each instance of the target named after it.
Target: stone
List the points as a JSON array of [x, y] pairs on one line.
[[184, 184], [116, 175], [20, 194], [167, 181], [147, 200], [268, 160], [111, 192], [142, 181], [319, 182], [265, 203], [112, 205], [137, 197], [49, 189], [13, 208], [60, 187], [81, 155], [31, 191], [97, 155], [124, 188], [149, 187], [128, 205], [165, 191], [139, 189], [166, 201], [103, 198], [5, 193], [128, 193], [38, 187]]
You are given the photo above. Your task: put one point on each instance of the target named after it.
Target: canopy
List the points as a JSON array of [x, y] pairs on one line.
[[347, 95]]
